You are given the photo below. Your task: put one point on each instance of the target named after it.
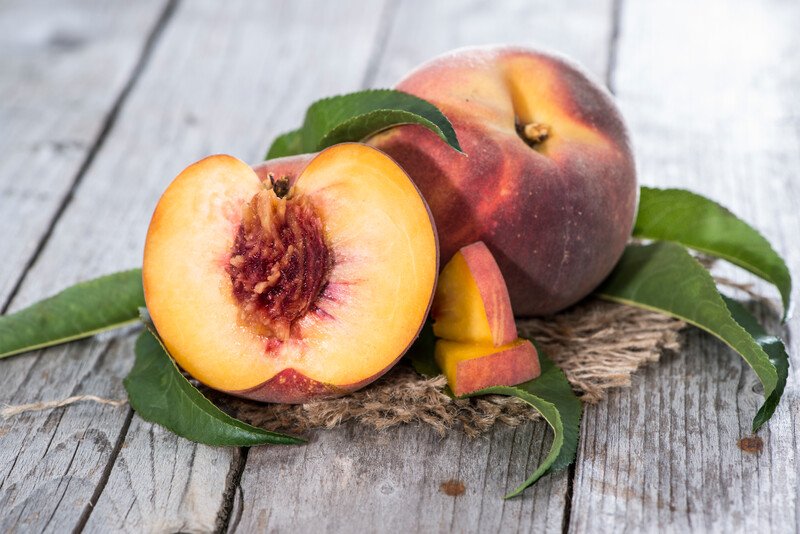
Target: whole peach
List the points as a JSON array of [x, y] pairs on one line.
[[547, 180]]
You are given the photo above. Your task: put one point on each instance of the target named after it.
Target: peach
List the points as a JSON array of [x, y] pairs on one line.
[[471, 302], [470, 367], [548, 181], [307, 286], [472, 313]]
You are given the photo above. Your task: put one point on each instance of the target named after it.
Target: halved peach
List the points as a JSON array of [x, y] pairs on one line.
[[470, 367], [303, 287], [472, 302]]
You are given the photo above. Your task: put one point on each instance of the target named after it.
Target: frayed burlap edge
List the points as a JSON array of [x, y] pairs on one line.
[[598, 345]]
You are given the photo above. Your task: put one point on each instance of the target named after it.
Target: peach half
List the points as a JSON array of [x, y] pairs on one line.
[[472, 302], [305, 287]]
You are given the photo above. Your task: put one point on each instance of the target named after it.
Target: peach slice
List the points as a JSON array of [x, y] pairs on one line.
[[472, 302], [472, 314], [470, 367], [308, 286]]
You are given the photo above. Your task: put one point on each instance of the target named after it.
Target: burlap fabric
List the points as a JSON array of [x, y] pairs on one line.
[[598, 345]]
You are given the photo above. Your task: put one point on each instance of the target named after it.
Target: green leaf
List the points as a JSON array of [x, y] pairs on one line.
[[287, 144], [422, 350], [161, 394], [776, 350], [80, 311], [664, 277], [703, 225], [552, 395], [368, 124], [358, 116]]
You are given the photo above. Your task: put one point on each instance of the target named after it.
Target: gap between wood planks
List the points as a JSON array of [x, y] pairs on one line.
[[106, 127], [611, 64], [101, 484], [381, 40], [226, 512], [144, 58], [613, 41]]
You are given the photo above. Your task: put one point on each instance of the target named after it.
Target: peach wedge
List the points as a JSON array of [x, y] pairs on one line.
[[472, 302], [306, 286], [470, 367], [472, 315]]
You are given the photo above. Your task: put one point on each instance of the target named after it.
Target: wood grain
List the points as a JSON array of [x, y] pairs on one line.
[[421, 30], [713, 108], [63, 67], [51, 462], [355, 480]]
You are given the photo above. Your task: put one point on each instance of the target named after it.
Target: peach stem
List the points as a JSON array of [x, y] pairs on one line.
[[533, 133]]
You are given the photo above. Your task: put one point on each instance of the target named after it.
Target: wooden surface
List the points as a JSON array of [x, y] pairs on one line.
[[102, 103]]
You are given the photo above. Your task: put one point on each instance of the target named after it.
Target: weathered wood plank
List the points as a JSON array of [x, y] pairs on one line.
[[353, 479], [160, 483], [63, 66], [51, 462], [421, 30], [709, 89]]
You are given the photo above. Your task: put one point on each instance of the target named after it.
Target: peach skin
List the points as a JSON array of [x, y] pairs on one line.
[[548, 181]]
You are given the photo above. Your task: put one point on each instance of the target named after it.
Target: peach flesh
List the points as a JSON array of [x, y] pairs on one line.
[[279, 261], [548, 181], [470, 367], [351, 333], [472, 302]]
